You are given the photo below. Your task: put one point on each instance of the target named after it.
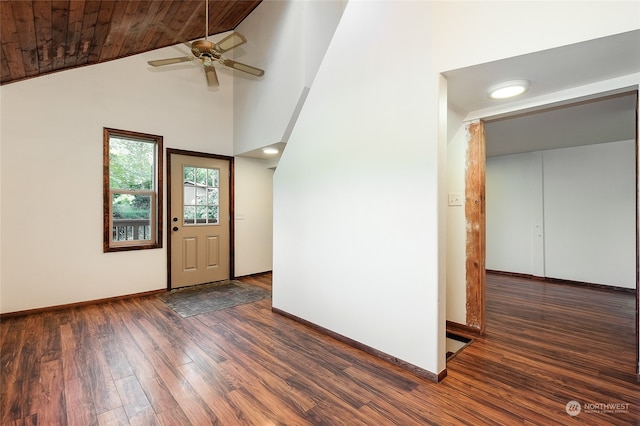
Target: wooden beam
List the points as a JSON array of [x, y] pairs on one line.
[[476, 226]]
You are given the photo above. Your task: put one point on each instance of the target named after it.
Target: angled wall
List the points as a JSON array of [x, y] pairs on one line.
[[356, 191], [288, 40]]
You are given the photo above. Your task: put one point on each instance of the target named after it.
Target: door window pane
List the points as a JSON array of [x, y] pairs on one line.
[[212, 194], [189, 215], [201, 200]]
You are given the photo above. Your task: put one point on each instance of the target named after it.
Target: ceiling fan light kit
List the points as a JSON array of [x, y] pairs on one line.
[[208, 53], [508, 89]]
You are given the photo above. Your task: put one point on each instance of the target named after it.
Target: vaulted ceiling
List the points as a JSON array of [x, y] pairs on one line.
[[39, 37]]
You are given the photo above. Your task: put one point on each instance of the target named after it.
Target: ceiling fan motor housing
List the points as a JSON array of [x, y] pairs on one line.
[[204, 48]]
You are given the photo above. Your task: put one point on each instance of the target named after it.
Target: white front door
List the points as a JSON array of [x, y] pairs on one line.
[[199, 220]]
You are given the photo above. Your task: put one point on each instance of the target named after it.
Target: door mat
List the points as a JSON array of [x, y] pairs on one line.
[[204, 298]]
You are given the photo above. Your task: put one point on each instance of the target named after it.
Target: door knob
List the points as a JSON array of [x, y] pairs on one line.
[[175, 228]]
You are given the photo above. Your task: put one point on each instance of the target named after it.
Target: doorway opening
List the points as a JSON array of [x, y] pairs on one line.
[[476, 221]]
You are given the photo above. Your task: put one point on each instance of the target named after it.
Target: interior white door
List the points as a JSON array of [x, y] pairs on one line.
[[200, 220]]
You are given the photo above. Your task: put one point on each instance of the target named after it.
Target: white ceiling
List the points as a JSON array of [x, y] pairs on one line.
[[259, 153], [606, 119]]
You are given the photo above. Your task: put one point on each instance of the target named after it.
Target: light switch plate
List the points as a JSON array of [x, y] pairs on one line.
[[455, 199]]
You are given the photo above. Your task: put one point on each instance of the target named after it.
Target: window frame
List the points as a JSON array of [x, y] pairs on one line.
[[156, 194]]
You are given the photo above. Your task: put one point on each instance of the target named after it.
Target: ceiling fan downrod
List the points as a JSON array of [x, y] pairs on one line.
[[208, 52]]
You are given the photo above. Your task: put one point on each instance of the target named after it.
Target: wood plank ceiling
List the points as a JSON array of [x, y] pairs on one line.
[[39, 37]]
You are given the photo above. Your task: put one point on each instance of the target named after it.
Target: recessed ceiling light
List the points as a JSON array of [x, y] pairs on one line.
[[508, 89], [270, 151]]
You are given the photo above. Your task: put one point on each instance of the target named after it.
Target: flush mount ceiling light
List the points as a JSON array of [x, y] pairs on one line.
[[270, 151], [508, 89]]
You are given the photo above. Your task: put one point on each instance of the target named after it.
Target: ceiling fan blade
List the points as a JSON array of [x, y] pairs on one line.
[[234, 39], [169, 61], [243, 67], [212, 76]]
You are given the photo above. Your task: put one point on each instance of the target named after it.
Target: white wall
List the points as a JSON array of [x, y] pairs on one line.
[[354, 193], [253, 216], [456, 220], [333, 257], [51, 172], [590, 211], [288, 40], [262, 108], [587, 197]]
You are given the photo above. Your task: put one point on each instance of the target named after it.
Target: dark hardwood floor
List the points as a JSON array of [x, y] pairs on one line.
[[136, 362]]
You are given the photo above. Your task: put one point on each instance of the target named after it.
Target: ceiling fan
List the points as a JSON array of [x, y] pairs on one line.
[[208, 53]]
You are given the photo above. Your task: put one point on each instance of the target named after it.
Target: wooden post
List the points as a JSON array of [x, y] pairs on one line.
[[476, 226]]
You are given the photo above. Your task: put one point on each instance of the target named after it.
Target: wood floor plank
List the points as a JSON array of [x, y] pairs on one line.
[[175, 416], [52, 343], [79, 402], [51, 406], [137, 362], [96, 369], [134, 401], [117, 363], [171, 349], [70, 353], [115, 417], [80, 406], [11, 407], [31, 359], [189, 332], [320, 373], [159, 396], [211, 394], [254, 413], [231, 341], [31, 420], [271, 394], [187, 398]]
